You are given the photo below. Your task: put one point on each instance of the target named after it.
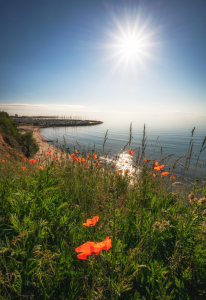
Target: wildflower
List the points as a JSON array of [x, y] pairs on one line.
[[154, 175], [86, 165], [159, 168], [130, 152], [21, 155], [55, 157], [90, 247], [38, 160], [120, 171], [89, 155], [115, 166], [8, 155], [126, 171], [126, 161], [24, 159], [49, 151], [114, 177], [146, 160], [3, 161], [73, 155], [47, 154], [98, 163], [172, 176], [136, 183], [32, 161], [164, 174], [76, 159], [76, 151], [41, 168], [91, 222], [82, 160], [94, 156], [23, 168], [155, 163]]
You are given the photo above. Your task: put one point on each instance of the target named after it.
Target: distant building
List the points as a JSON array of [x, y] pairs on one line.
[[16, 116]]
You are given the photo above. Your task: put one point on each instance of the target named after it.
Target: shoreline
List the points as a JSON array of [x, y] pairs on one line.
[[44, 145]]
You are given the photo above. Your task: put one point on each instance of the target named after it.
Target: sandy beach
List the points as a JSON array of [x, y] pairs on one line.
[[44, 146]]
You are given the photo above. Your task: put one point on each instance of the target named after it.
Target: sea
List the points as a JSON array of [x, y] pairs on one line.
[[113, 140]]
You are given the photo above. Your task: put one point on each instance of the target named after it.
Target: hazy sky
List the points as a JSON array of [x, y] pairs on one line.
[[141, 59]]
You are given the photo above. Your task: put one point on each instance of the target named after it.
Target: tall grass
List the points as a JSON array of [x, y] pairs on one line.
[[158, 232]]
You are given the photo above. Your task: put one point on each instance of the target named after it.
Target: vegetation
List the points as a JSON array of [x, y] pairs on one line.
[[157, 231], [24, 143]]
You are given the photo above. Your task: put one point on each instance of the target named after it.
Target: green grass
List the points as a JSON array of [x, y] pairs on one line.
[[158, 236]]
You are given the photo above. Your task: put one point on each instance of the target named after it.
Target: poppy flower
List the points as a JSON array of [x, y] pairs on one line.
[[91, 222], [126, 161], [32, 161], [146, 160], [90, 248], [76, 159], [130, 152], [126, 171], [159, 168], [82, 160], [23, 168], [173, 177], [38, 160], [24, 159], [76, 151], [41, 168], [55, 157], [94, 156], [164, 174], [154, 175], [47, 154], [86, 165], [155, 163], [22, 155], [73, 155], [98, 163], [120, 171], [136, 183], [89, 155], [8, 155], [49, 151], [3, 161]]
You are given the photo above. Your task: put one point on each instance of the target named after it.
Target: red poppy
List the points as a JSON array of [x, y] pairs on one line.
[[130, 152], [90, 248], [38, 160], [155, 163], [126, 171], [23, 168], [126, 161], [24, 159], [173, 177], [120, 171], [47, 154], [164, 174], [82, 160], [146, 160], [136, 183], [76, 151], [8, 155], [98, 163], [86, 165], [41, 168], [55, 157], [49, 151], [76, 159], [159, 168], [94, 156], [32, 161], [91, 222], [22, 155], [3, 161], [73, 155], [154, 175], [89, 155]]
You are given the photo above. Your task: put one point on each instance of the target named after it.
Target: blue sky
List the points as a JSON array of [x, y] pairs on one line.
[[61, 57]]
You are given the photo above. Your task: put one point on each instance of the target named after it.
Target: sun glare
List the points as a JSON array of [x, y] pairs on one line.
[[130, 46]]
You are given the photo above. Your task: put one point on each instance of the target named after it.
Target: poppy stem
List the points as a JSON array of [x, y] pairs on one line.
[[93, 280]]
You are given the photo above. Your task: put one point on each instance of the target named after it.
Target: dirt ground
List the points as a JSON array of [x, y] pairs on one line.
[[44, 146]]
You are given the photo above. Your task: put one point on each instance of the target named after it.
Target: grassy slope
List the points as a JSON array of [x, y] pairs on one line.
[[158, 237]]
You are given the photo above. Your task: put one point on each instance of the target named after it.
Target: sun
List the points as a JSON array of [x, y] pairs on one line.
[[130, 46]]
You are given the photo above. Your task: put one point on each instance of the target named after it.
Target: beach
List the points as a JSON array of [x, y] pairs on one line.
[[44, 146]]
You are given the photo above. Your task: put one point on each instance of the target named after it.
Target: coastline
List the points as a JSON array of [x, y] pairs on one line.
[[44, 145]]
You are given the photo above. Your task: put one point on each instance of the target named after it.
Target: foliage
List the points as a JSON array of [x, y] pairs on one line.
[[158, 234]]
